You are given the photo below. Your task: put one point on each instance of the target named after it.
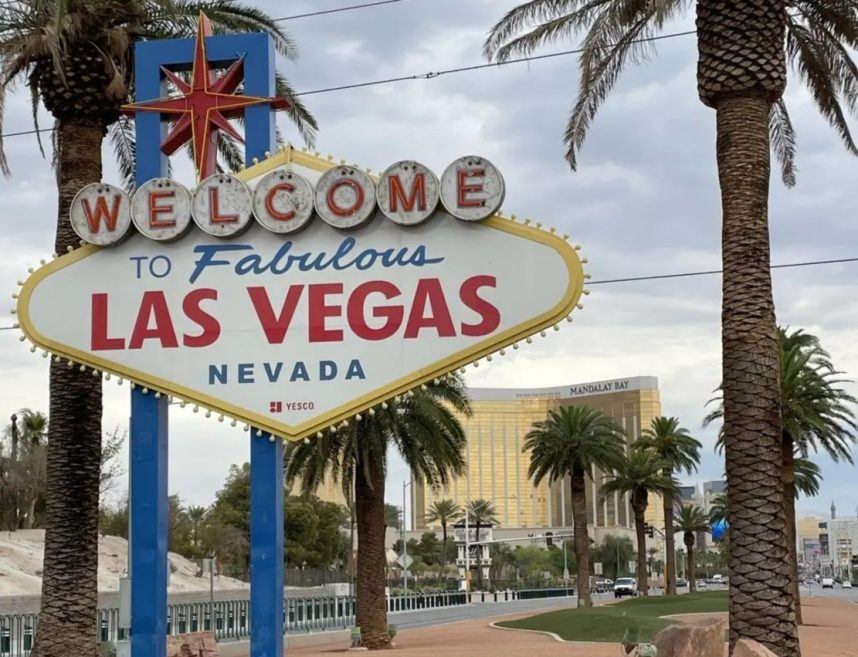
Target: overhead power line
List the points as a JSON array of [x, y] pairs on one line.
[[429, 75], [657, 277], [324, 12], [713, 272]]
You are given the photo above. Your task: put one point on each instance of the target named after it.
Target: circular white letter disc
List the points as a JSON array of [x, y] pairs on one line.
[[283, 201], [472, 188], [100, 214], [222, 205], [161, 209], [408, 193], [345, 197]]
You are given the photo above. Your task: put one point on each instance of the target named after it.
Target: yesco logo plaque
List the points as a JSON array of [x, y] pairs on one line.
[[298, 293]]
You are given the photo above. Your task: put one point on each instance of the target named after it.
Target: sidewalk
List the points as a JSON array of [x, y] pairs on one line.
[[831, 630]]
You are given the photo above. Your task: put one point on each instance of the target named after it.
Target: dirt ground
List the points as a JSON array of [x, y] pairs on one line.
[[831, 630]]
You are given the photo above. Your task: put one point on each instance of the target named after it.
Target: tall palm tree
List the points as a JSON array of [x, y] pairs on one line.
[[196, 514], [640, 473], [444, 512], [423, 427], [816, 414], [681, 452], [76, 57], [691, 520], [481, 513], [743, 50], [573, 442]]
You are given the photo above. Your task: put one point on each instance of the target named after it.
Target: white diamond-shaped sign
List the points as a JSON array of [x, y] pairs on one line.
[[293, 333]]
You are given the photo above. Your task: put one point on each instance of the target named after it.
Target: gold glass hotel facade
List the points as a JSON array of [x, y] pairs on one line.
[[498, 467]]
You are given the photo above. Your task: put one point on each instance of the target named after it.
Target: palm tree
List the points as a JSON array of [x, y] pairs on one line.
[[691, 520], [816, 415], [718, 509], [574, 441], [444, 512], [743, 79], [196, 514], [481, 513], [423, 426], [76, 57], [640, 474], [676, 447]]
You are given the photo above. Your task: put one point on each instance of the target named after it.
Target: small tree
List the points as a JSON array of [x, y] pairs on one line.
[[444, 512], [691, 520]]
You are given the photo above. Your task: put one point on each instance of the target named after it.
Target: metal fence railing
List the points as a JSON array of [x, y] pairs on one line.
[[230, 619]]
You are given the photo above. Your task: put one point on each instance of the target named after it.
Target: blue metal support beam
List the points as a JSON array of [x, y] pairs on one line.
[[266, 545]]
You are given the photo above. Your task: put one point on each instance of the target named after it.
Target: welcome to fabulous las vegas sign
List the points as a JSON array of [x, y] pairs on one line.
[[299, 292]]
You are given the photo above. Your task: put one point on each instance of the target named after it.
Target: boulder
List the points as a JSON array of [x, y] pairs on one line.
[[197, 644], [750, 648], [701, 639]]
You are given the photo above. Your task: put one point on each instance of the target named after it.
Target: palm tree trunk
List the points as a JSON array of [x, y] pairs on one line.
[[669, 547], [788, 452], [371, 614], [67, 620], [692, 568], [479, 558], [761, 601], [444, 544], [643, 580], [578, 499]]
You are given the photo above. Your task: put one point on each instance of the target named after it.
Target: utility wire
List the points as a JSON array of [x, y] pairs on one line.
[[337, 10], [429, 75], [712, 272]]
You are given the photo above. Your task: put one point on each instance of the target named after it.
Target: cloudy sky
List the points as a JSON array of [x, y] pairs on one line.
[[644, 201]]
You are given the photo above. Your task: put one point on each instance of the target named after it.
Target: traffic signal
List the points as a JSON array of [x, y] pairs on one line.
[[649, 530]]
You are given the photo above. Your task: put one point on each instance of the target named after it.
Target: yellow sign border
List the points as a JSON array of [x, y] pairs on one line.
[[357, 405]]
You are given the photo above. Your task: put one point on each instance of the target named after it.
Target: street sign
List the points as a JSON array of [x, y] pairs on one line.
[[597, 567], [405, 560], [294, 334]]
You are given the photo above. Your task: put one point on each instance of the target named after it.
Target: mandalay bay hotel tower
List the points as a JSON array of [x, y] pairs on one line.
[[498, 468]]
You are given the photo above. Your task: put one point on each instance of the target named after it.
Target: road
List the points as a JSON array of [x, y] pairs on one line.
[[443, 616], [837, 592]]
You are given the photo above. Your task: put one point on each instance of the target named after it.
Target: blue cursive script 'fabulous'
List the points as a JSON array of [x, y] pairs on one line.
[[345, 256]]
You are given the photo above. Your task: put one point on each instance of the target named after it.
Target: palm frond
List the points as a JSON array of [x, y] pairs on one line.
[[782, 135], [124, 141]]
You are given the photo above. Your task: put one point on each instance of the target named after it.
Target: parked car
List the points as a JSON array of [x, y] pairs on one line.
[[846, 584], [827, 583], [681, 583], [718, 579], [625, 586], [701, 584]]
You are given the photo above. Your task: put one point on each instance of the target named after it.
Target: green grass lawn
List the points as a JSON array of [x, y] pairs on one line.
[[609, 624]]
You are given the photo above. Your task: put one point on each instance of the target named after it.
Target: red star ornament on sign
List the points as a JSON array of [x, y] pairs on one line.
[[204, 106]]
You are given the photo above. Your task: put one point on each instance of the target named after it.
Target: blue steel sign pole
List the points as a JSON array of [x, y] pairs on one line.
[[148, 476]]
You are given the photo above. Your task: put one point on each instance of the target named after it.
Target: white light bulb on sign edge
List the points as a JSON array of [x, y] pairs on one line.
[[14, 311], [515, 346], [333, 429], [71, 363], [580, 306], [371, 412], [584, 261], [587, 277], [512, 217], [69, 248], [220, 418], [527, 222], [96, 373], [569, 318], [502, 352], [565, 236], [542, 334], [306, 441], [529, 340], [267, 154], [246, 427], [16, 325], [208, 414], [14, 295], [22, 338], [552, 230], [44, 354], [476, 363], [20, 283], [107, 376], [82, 368], [233, 423], [30, 270], [489, 358], [586, 292], [196, 409], [557, 327], [43, 262], [132, 385], [538, 224], [157, 395], [120, 381], [33, 349], [319, 434], [272, 438], [384, 405], [358, 417]]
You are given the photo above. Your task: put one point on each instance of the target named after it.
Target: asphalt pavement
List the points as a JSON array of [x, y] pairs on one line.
[[443, 616]]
